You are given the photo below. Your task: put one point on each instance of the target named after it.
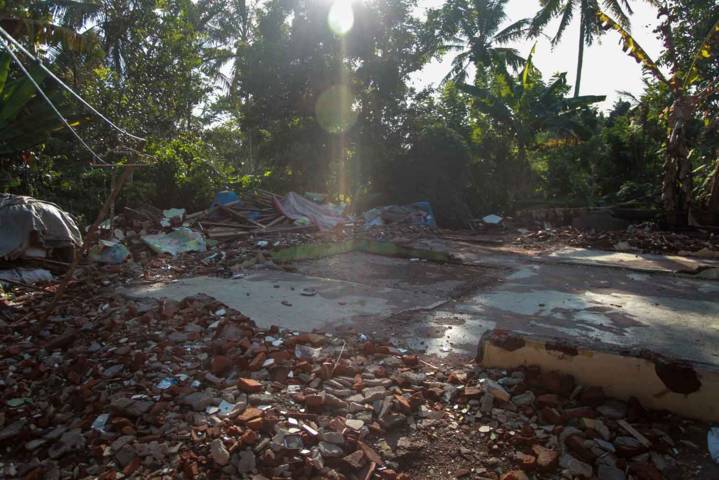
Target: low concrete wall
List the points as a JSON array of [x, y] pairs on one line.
[[658, 383]]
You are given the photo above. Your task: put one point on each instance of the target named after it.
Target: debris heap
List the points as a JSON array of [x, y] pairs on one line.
[[113, 388]]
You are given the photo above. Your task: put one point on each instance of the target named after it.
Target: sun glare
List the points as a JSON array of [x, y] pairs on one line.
[[341, 17]]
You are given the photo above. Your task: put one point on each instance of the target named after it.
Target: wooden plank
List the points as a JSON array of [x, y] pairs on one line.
[[633, 431]]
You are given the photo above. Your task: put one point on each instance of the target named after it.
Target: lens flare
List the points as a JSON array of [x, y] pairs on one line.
[[341, 17], [334, 109]]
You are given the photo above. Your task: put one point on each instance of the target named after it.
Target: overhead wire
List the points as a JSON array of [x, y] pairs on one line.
[[65, 86], [47, 99]]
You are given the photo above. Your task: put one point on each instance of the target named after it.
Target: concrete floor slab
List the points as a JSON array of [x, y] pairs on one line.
[[616, 308], [415, 274], [634, 261], [274, 297]]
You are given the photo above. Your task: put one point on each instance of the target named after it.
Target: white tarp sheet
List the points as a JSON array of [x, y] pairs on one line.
[[296, 206], [21, 216]]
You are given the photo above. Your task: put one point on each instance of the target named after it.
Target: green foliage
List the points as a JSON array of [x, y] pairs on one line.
[[26, 119], [186, 173], [237, 94]]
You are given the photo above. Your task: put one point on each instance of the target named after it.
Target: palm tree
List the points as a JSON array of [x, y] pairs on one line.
[[474, 28], [589, 26]]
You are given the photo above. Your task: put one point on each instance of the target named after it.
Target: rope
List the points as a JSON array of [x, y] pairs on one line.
[[65, 86], [49, 102]]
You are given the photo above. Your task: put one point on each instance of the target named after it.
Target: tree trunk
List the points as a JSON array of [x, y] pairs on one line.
[[677, 184], [713, 203], [580, 56]]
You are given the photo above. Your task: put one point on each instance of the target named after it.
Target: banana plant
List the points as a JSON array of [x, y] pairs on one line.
[[524, 108], [677, 184], [26, 120]]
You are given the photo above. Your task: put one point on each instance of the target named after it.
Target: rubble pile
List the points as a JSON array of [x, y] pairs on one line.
[[256, 211], [642, 238], [112, 388]]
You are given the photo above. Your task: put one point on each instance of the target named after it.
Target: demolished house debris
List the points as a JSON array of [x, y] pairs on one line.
[[112, 387], [33, 227], [195, 390]]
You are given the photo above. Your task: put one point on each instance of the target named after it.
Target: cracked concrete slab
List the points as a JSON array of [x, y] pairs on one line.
[[677, 317], [633, 261], [446, 308], [274, 297]]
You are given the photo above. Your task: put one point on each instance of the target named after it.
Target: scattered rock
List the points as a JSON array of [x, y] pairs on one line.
[[219, 453]]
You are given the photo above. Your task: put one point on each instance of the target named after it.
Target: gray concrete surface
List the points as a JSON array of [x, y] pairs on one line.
[[633, 261], [274, 297], [594, 299]]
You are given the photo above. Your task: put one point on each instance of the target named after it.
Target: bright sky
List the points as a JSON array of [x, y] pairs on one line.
[[606, 68]]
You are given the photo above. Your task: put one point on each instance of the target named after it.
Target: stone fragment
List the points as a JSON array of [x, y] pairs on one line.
[[551, 415], [249, 385], [645, 471], [199, 401], [131, 408], [547, 459], [526, 462], [575, 467], [486, 403], [332, 437], [608, 472], [70, 441], [514, 475], [613, 409], [526, 398], [628, 446], [219, 453], [581, 448], [355, 460], [496, 390], [330, 450], [354, 424], [244, 461], [598, 426]]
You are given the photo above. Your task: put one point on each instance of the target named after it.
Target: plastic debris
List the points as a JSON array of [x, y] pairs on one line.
[[713, 443], [180, 240], [172, 217], [26, 275], [166, 383], [492, 219], [100, 422], [307, 353], [110, 252]]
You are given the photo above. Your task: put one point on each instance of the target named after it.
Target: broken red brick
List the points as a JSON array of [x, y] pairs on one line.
[[551, 415], [526, 462], [220, 364], [410, 360], [248, 438], [547, 459], [249, 385], [514, 475], [576, 445], [472, 392], [250, 413], [257, 362], [548, 400]]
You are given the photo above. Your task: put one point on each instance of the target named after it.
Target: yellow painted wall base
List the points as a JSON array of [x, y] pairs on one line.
[[620, 376]]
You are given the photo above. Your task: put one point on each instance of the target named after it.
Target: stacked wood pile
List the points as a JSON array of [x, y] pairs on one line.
[[255, 213]]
